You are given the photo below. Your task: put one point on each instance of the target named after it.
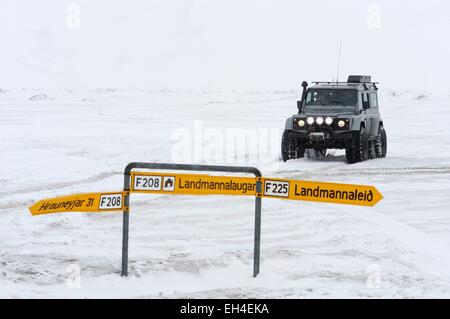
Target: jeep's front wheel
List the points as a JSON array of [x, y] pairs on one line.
[[290, 148], [358, 150]]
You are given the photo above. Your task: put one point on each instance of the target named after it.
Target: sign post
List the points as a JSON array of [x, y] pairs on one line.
[[153, 183], [257, 240]]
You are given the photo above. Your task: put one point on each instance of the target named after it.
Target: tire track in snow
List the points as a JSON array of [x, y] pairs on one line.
[[388, 171], [350, 170], [54, 186]]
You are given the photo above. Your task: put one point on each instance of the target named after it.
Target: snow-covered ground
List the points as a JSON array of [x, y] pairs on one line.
[[58, 142]]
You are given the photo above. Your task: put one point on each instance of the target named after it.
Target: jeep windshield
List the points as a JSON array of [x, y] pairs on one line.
[[341, 97]]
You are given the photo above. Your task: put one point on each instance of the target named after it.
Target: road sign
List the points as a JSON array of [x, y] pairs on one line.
[[90, 202], [350, 194], [191, 184], [194, 184]]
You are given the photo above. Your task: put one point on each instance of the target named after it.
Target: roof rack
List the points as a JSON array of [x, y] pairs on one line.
[[331, 82], [334, 82], [365, 84]]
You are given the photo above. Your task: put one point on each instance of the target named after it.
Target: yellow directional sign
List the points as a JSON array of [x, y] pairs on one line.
[[194, 184], [191, 184], [90, 202], [361, 195]]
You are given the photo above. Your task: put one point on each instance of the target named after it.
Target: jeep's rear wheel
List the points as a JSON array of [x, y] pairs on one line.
[[381, 143]]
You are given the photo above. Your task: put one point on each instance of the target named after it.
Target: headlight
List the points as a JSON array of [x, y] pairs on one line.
[[328, 121], [310, 120], [301, 123], [341, 123], [319, 120]]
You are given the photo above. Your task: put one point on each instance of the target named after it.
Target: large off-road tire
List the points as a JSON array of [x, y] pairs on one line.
[[290, 148], [349, 156], [312, 153], [372, 149], [381, 143], [358, 151]]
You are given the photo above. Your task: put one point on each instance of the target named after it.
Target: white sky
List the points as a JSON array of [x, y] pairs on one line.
[[229, 44]]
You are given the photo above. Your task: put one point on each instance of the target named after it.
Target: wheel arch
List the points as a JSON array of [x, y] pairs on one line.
[[288, 123]]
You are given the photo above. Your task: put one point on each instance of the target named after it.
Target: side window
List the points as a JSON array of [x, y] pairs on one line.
[[311, 98], [365, 99], [373, 100]]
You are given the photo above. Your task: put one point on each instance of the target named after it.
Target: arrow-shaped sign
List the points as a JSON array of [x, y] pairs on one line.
[[350, 194], [90, 202]]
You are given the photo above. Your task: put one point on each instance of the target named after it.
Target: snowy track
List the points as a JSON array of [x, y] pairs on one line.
[[188, 246]]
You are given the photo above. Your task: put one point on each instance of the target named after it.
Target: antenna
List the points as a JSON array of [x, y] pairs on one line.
[[339, 60]]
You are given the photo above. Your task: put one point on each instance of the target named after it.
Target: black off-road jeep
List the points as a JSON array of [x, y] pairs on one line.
[[340, 115]]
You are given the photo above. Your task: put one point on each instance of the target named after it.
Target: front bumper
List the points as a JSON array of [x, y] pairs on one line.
[[322, 139]]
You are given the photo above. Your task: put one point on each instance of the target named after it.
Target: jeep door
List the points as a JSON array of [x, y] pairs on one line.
[[366, 113], [375, 113]]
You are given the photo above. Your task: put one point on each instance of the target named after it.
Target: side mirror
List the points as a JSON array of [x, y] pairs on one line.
[[299, 106]]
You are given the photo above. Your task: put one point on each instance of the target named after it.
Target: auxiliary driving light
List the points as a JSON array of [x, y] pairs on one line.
[[328, 121], [319, 120], [310, 120]]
